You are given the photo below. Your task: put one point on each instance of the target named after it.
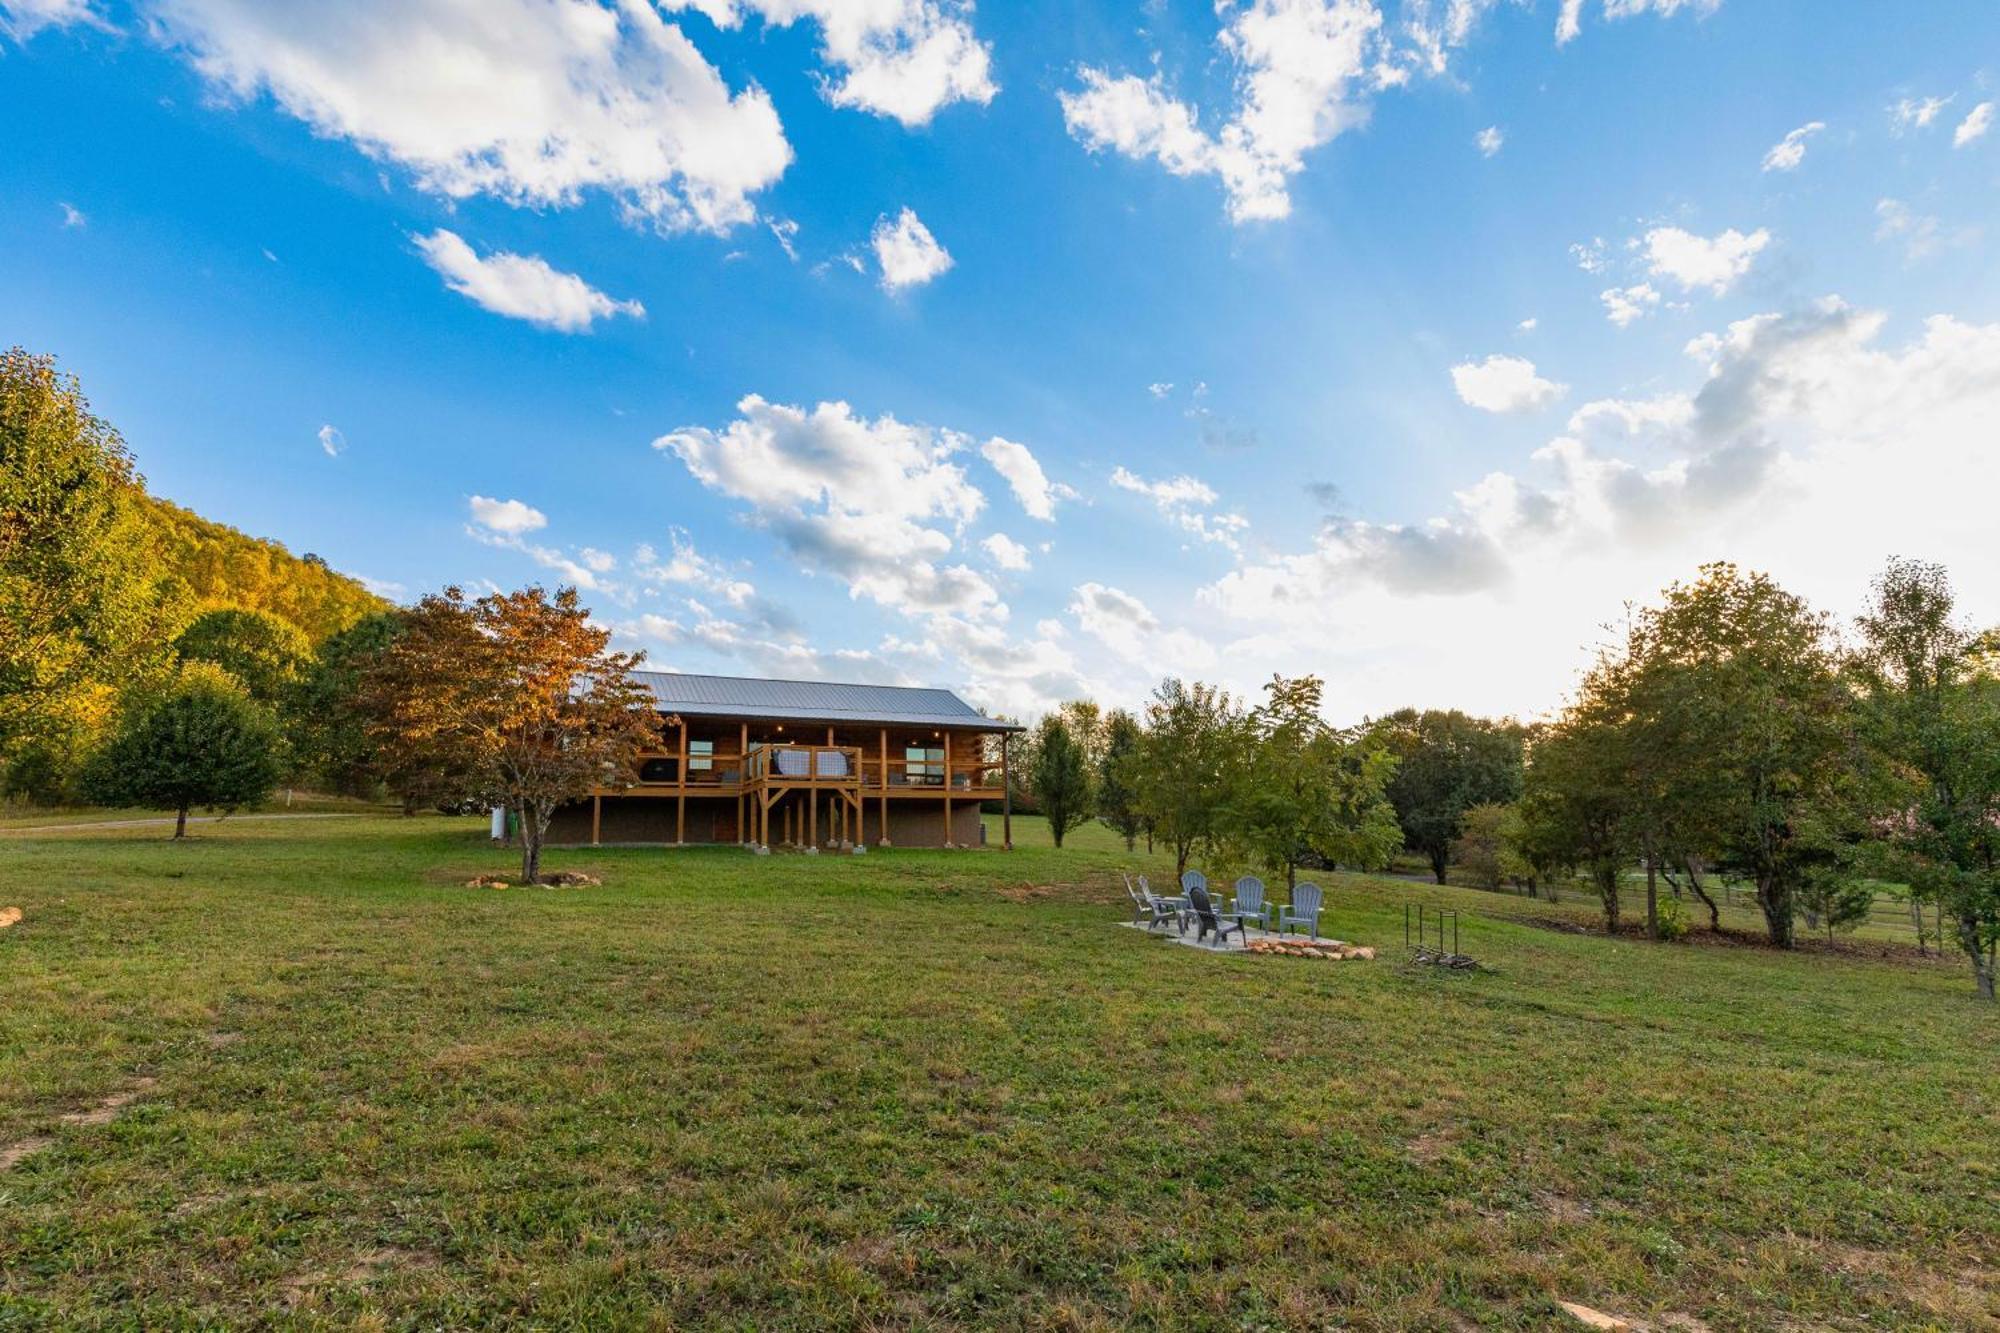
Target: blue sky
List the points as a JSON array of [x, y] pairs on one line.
[[1038, 349]]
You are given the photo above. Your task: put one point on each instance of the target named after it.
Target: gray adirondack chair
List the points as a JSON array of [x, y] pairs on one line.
[[1302, 912], [1164, 903], [1248, 901], [1209, 921], [1148, 908]]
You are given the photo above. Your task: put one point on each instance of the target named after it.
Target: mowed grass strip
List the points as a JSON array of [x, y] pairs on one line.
[[929, 1089]]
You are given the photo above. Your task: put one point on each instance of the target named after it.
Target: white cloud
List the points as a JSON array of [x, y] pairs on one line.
[[1974, 126], [1167, 493], [900, 58], [1802, 447], [539, 102], [520, 286], [1623, 305], [1006, 552], [1788, 152], [1160, 388], [1304, 70], [1527, 325], [787, 232], [1187, 502], [1031, 486], [511, 517], [1569, 18], [1918, 232], [1590, 255], [906, 252], [683, 564], [22, 19], [1917, 113], [1504, 384], [1489, 140], [331, 441], [72, 216], [878, 504], [1714, 262], [534, 102], [1111, 612]]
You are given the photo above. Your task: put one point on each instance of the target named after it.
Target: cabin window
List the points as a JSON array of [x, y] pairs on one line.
[[701, 756], [924, 764]]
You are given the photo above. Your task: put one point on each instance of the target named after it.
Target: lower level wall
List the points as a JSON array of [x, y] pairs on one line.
[[711, 819]]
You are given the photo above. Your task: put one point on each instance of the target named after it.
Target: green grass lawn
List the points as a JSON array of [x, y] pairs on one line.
[[934, 1089]]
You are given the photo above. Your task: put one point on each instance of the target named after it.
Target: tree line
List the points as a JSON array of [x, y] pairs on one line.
[[1730, 733], [105, 589]]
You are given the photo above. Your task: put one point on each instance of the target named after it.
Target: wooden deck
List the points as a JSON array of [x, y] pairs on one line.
[[782, 786]]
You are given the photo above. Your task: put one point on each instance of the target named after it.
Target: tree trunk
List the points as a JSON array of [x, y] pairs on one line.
[[1607, 892], [409, 804], [531, 843], [1694, 882], [1440, 861], [1652, 891], [1777, 906], [1982, 959], [180, 823]]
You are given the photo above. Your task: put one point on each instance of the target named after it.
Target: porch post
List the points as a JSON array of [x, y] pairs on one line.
[[681, 800], [883, 778], [596, 817], [1006, 796], [742, 775], [947, 790]]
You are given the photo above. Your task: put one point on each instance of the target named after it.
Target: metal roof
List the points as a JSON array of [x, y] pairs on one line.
[[812, 701]]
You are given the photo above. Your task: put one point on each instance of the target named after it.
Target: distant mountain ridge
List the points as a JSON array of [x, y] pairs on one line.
[[223, 566]]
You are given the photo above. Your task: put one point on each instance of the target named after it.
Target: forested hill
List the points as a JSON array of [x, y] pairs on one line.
[[224, 567]]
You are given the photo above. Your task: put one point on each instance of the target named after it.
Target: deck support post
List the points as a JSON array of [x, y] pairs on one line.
[[883, 778], [1006, 797], [596, 818], [947, 789], [681, 800]]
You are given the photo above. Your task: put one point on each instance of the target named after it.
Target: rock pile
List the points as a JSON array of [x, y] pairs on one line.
[[1337, 950]]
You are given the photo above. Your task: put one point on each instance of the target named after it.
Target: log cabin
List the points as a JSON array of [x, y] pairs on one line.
[[805, 764]]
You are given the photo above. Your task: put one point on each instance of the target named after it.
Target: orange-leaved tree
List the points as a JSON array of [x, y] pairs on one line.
[[517, 697]]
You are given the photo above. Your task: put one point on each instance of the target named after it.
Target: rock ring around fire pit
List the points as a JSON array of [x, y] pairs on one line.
[[1332, 950]]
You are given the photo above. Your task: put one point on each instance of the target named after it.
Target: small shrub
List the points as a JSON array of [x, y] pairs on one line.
[[1673, 919]]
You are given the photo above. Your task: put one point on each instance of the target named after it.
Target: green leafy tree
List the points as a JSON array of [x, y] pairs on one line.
[[1117, 799], [1446, 763], [216, 565], [519, 695], [1743, 732], [267, 655], [1836, 901], [1305, 792], [1061, 777], [1194, 738], [325, 717], [82, 609], [200, 742], [1576, 808], [1931, 700], [1480, 851]]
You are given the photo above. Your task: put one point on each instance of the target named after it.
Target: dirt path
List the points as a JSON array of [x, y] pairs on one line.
[[167, 821]]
